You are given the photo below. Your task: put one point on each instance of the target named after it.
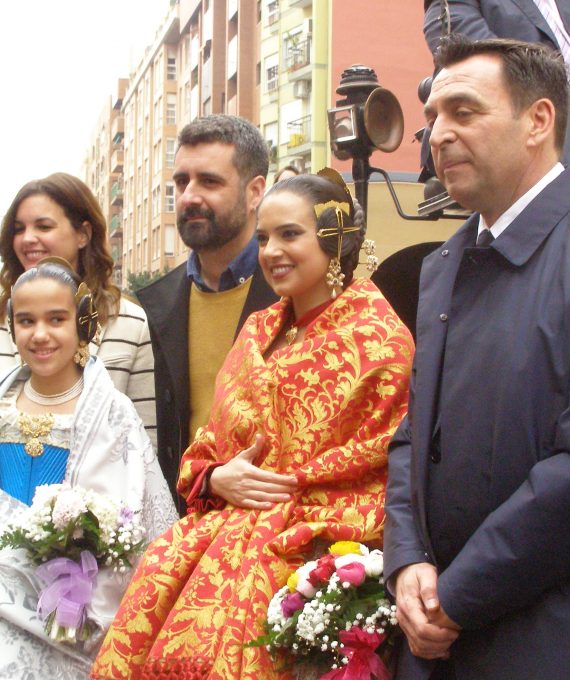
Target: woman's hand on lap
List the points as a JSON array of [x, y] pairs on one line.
[[244, 485]]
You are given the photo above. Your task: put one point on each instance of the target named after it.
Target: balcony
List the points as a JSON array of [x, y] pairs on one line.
[[117, 194], [117, 160], [115, 230], [298, 58], [118, 129], [299, 134]]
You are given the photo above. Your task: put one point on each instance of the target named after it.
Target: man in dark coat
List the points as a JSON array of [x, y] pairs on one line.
[[220, 169], [477, 540]]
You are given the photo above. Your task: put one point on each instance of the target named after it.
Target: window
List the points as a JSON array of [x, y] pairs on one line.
[[272, 72], [169, 197], [187, 50], [158, 74], [169, 234], [187, 98], [170, 152], [171, 109], [157, 159], [156, 202], [171, 68], [272, 78], [272, 12], [155, 243], [207, 107], [157, 115]]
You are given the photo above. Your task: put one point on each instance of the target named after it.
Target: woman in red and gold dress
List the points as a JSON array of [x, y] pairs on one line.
[[294, 456]]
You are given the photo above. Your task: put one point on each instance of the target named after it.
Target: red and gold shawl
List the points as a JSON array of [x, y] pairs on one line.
[[327, 407]]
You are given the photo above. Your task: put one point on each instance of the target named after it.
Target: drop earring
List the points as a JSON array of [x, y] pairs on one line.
[[82, 354]]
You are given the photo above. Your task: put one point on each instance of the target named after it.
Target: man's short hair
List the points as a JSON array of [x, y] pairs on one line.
[[531, 71], [251, 152]]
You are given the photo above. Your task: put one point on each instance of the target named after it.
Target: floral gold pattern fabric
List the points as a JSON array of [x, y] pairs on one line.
[[327, 407]]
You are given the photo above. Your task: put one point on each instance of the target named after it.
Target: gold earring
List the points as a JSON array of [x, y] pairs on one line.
[[82, 354], [335, 277]]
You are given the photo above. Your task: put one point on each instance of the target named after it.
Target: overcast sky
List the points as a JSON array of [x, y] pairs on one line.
[[59, 61]]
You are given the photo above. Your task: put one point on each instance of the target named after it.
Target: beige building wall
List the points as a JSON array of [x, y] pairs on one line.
[[103, 170], [294, 50]]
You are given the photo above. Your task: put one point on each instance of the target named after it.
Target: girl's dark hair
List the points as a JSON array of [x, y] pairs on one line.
[[317, 189], [49, 270], [95, 261]]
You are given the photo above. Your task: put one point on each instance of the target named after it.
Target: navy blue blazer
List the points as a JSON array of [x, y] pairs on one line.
[[493, 332], [480, 19]]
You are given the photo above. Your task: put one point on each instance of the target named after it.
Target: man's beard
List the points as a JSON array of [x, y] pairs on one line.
[[211, 233]]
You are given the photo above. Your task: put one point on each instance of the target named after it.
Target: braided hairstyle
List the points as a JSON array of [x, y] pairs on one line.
[[320, 189]]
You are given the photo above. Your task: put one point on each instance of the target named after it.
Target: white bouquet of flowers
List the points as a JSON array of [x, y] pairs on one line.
[[69, 532], [333, 620]]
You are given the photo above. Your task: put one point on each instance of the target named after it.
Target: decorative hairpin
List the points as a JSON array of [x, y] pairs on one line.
[[372, 262], [321, 207], [335, 177]]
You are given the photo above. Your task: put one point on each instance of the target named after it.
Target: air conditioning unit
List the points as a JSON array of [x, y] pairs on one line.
[[301, 89]]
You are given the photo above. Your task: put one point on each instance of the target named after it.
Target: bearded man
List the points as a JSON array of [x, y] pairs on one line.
[[196, 310]]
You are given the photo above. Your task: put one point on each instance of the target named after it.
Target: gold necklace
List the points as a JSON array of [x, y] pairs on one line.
[[293, 330], [33, 427]]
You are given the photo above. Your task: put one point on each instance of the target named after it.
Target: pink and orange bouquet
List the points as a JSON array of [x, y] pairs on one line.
[[332, 620]]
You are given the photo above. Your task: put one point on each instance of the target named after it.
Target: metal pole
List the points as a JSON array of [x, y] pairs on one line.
[[361, 175]]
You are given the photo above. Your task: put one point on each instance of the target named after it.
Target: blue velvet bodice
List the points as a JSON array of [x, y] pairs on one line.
[[20, 473]]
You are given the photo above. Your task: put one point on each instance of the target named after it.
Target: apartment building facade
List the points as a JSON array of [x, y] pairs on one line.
[[275, 62], [103, 170]]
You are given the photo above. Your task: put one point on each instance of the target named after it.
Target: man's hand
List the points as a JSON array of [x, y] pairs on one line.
[[244, 485], [440, 618], [420, 615]]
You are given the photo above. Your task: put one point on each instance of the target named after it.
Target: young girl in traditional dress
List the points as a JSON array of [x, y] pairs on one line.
[[59, 216], [62, 420], [294, 456]]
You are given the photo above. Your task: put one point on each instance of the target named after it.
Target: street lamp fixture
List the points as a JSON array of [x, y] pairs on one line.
[[369, 117]]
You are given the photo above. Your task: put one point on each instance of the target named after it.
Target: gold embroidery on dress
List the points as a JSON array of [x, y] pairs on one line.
[[35, 428]]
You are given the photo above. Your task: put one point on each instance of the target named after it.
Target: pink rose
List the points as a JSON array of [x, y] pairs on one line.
[[353, 573], [292, 603]]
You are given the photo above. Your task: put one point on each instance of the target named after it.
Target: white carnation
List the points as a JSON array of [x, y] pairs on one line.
[[351, 558], [374, 563]]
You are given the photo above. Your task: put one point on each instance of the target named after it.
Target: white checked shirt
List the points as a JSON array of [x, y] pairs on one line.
[[549, 11]]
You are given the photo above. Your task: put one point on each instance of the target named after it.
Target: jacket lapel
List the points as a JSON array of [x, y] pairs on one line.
[[260, 296], [528, 8], [166, 303]]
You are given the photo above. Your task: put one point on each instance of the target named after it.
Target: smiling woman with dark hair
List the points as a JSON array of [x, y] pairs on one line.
[[293, 457]]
